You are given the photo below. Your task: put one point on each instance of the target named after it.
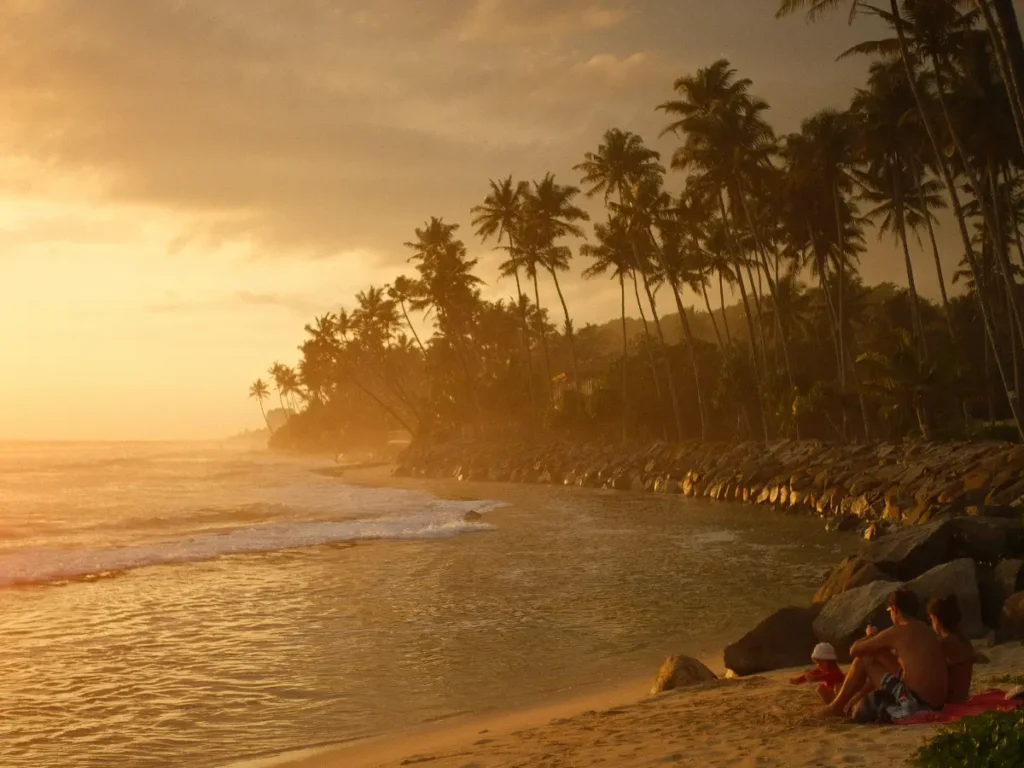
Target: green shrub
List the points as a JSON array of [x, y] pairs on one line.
[[992, 740]]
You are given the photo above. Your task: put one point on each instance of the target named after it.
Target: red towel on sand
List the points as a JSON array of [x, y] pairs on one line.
[[978, 704]]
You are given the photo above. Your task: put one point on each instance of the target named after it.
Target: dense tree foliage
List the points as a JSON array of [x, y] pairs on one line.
[[808, 350]]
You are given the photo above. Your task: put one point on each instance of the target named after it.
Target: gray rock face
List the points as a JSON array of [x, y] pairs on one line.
[[1009, 577], [996, 586], [785, 639], [954, 578], [908, 553], [1013, 617], [852, 572], [986, 539], [843, 618], [680, 672]]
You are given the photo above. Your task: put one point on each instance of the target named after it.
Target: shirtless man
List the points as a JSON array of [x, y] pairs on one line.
[[897, 672]]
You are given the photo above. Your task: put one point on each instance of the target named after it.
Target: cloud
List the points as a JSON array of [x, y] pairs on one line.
[[490, 20], [616, 69], [241, 301]]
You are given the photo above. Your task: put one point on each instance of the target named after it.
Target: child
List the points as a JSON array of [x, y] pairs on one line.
[[944, 613], [826, 673]]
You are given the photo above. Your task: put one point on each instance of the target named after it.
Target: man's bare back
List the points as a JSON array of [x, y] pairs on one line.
[[922, 658]]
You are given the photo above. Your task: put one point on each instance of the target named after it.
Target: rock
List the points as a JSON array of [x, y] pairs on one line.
[[907, 553], [985, 539], [954, 578], [843, 523], [1013, 617], [843, 618], [1008, 576], [785, 639], [852, 572], [996, 586], [472, 516], [680, 672]]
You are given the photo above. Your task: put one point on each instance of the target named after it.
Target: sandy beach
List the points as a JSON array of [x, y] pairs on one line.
[[759, 721]]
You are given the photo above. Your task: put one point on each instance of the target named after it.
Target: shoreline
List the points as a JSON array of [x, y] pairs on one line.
[[868, 487], [754, 721]]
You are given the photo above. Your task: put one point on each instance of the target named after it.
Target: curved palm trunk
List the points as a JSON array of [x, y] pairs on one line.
[[625, 361], [846, 355], [691, 342], [408, 322], [648, 339], [947, 179], [750, 320], [901, 225], [568, 332], [935, 255], [711, 314], [543, 336], [666, 363], [1001, 244], [721, 303], [784, 342], [524, 331], [1010, 77], [264, 412]]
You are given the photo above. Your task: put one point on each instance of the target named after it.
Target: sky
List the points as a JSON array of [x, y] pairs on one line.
[[185, 183]]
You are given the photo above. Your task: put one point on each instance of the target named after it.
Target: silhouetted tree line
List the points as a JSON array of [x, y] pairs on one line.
[[809, 351]]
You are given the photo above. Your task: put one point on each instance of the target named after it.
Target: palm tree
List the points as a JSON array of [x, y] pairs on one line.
[[726, 140], [887, 140], [551, 212], [402, 291], [499, 216], [611, 254], [449, 287], [936, 43], [902, 377], [280, 374], [261, 392], [620, 166]]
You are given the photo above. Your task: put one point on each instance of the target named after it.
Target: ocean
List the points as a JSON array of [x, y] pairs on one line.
[[186, 605]]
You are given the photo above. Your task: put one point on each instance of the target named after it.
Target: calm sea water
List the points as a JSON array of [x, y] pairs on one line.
[[171, 605]]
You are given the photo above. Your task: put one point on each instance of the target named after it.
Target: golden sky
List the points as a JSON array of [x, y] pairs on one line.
[[184, 183]]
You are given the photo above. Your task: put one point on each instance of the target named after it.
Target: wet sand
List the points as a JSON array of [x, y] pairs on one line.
[[760, 721]]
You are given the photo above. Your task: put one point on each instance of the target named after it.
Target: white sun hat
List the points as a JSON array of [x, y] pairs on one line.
[[823, 652]]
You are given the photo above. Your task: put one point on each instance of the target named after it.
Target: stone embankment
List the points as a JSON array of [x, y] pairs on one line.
[[951, 514], [870, 486]]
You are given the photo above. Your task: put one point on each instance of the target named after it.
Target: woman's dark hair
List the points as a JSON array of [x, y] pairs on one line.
[[905, 601], [947, 611]]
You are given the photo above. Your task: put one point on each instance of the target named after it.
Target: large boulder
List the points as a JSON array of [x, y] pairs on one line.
[[785, 639], [844, 618], [996, 585], [907, 553], [852, 572], [1013, 617], [985, 539], [1008, 576], [958, 578], [680, 672]]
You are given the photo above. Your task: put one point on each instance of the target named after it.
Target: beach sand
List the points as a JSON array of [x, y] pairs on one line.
[[756, 722]]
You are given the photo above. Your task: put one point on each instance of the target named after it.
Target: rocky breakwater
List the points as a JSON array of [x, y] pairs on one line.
[[870, 487], [976, 559]]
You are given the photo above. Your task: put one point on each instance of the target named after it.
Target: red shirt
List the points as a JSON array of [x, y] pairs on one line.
[[832, 676]]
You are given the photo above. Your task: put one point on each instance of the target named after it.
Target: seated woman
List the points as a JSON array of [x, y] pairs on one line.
[[945, 616]]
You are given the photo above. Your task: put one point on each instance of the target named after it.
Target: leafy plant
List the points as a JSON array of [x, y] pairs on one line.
[[992, 740]]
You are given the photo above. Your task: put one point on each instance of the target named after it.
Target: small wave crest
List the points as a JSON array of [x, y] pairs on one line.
[[48, 566]]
